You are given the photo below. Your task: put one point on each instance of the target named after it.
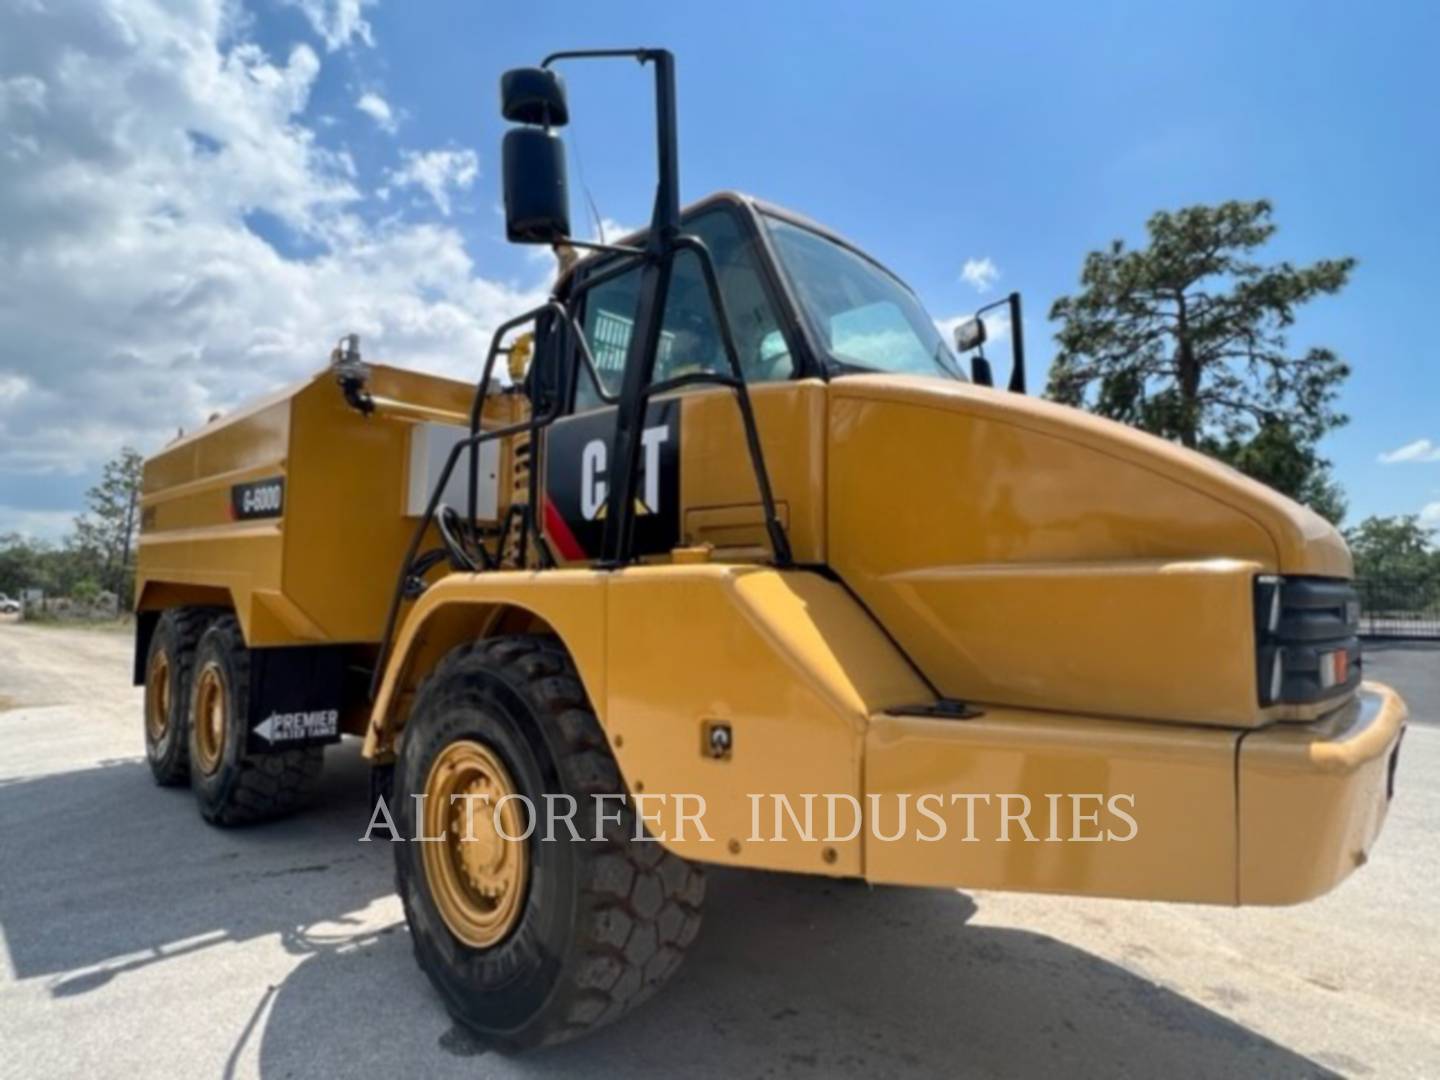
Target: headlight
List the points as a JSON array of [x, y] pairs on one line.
[[1306, 642]]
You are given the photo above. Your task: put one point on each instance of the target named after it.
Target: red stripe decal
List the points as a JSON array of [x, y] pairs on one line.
[[560, 533]]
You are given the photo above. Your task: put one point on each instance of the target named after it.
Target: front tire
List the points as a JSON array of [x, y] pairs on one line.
[[232, 786], [530, 942]]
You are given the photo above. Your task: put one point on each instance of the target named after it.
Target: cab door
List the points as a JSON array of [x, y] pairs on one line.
[[696, 484]]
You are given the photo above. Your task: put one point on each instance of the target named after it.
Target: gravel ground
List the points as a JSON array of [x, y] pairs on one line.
[[139, 942]]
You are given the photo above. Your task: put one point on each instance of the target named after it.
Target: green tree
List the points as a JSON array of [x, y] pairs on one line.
[[26, 563], [21, 564], [1274, 456], [1186, 338], [1394, 547], [1397, 563], [105, 535]]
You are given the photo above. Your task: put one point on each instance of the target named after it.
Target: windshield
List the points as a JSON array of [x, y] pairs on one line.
[[865, 318]]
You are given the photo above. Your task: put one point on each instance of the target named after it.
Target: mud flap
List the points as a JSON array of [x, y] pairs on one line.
[[295, 696]]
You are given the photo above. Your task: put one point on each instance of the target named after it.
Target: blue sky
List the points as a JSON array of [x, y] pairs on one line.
[[931, 134]]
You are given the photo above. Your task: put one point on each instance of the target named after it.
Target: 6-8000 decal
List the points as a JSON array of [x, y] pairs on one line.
[[259, 499]]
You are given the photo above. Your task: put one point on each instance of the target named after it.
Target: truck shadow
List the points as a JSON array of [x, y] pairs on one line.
[[106, 874], [805, 976]]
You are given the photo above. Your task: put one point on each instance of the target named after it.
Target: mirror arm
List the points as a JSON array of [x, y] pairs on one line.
[[665, 221], [596, 54], [609, 249], [1017, 345], [661, 246], [1017, 340]]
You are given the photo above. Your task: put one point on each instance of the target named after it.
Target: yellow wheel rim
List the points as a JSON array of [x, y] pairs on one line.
[[157, 700], [210, 717], [477, 875]]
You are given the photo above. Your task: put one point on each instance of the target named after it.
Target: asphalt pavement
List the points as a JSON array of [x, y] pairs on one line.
[[138, 942]]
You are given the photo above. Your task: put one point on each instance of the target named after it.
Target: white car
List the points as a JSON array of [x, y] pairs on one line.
[[9, 606]]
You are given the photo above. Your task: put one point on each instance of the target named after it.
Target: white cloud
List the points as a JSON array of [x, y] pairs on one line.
[[137, 138], [610, 231], [980, 274], [436, 172], [378, 109], [12, 387], [1430, 515], [49, 525], [1419, 450], [337, 22]]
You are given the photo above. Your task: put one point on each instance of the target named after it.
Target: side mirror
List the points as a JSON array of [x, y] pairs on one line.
[[537, 194], [534, 96], [969, 334]]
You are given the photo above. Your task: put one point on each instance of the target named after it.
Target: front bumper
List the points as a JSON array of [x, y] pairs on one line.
[[1312, 797], [1222, 816]]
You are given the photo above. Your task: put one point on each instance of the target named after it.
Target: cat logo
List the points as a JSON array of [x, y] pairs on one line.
[[594, 490], [578, 475]]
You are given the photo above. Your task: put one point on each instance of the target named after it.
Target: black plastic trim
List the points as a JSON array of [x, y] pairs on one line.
[[1317, 617]]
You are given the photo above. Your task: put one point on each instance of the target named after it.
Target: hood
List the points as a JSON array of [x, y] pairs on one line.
[[1031, 555], [1008, 441]]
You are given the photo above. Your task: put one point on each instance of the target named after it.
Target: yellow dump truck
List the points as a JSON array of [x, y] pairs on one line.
[[725, 561]]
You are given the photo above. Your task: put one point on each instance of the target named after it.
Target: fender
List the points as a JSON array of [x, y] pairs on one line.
[[787, 663], [464, 607]]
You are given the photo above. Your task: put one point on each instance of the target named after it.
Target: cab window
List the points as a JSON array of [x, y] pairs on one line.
[[690, 333]]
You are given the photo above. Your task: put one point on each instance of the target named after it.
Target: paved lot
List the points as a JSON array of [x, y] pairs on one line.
[[139, 942]]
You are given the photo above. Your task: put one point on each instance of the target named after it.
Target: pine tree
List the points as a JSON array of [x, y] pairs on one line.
[[1186, 338]]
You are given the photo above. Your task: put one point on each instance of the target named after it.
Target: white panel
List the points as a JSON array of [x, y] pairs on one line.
[[429, 446]]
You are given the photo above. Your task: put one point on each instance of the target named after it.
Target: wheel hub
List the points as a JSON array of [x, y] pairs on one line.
[[210, 717], [157, 710], [477, 874]]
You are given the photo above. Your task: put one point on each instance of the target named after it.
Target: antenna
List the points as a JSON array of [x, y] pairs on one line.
[[585, 187]]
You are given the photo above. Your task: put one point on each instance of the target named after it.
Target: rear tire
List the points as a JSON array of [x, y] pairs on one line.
[[600, 926], [232, 786], [168, 668]]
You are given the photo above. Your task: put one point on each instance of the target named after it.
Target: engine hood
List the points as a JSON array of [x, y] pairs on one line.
[[1023, 468], [1028, 554]]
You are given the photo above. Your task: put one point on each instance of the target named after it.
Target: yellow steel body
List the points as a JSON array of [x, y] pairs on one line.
[[1274, 816], [1313, 797], [323, 572], [1030, 554], [1085, 586]]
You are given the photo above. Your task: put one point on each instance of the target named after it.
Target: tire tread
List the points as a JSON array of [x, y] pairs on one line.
[[269, 785], [184, 626], [640, 905]]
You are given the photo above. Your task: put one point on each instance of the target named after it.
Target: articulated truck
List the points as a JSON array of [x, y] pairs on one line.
[[728, 561]]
